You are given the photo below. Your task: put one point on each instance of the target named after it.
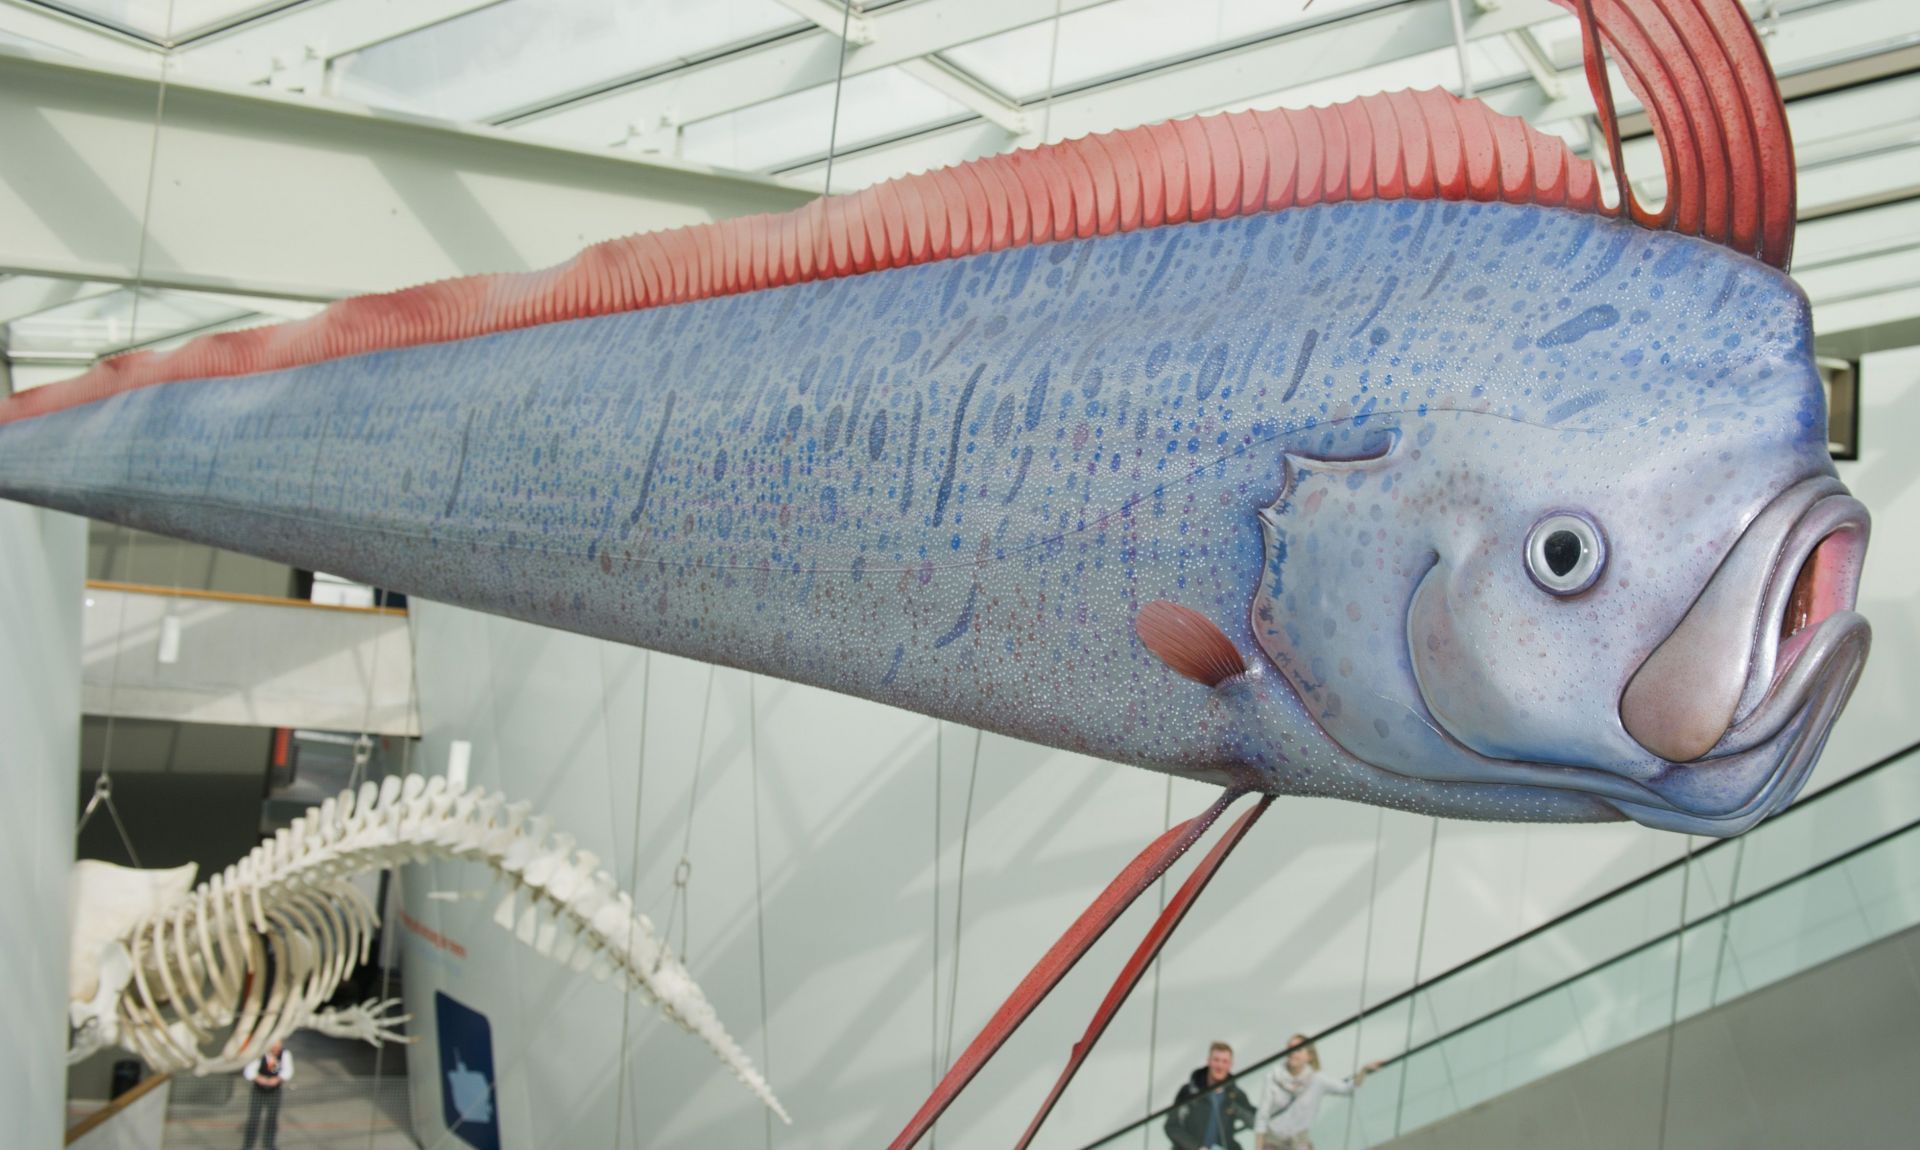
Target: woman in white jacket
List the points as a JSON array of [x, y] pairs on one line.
[[1290, 1101]]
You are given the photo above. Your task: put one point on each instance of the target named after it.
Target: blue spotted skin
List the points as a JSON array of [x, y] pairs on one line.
[[949, 487]]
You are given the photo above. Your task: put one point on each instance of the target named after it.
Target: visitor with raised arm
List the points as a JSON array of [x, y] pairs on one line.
[[1290, 1099]]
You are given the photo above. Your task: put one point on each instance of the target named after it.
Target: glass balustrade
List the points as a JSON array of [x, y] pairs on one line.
[[1836, 872]]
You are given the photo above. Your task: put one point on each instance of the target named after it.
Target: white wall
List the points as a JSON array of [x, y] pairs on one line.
[[249, 664], [1324, 899], [1844, 1028], [41, 563]]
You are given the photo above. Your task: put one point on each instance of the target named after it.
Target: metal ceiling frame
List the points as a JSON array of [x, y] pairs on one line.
[[81, 14], [783, 65], [1861, 187]]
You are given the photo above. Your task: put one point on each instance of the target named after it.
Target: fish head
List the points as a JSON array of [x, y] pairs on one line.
[[1648, 601]]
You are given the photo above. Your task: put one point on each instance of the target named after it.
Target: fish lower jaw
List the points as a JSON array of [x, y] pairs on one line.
[[1808, 660], [1774, 750]]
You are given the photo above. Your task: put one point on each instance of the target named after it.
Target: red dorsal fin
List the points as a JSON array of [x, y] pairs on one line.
[[1696, 64], [1188, 641], [1211, 167]]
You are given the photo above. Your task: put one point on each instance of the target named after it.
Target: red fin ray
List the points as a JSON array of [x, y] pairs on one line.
[[1143, 956], [1127, 886]]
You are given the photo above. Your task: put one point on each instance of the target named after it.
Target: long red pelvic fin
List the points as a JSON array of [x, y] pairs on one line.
[[1189, 642], [1133, 879], [1143, 956]]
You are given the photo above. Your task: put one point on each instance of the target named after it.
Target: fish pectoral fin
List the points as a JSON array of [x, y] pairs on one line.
[[1188, 642]]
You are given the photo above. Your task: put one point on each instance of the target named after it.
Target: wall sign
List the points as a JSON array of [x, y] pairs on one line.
[[467, 1098]]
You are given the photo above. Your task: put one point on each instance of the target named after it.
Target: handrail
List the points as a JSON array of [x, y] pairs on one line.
[[1561, 919], [1850, 853], [99, 1117], [236, 597]]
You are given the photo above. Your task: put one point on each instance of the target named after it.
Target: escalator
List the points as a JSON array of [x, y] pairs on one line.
[[1611, 981]]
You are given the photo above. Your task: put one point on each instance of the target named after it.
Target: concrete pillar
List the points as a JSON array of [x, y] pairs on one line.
[[41, 567]]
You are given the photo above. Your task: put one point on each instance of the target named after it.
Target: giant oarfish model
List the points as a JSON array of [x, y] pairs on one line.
[[1356, 451], [203, 980]]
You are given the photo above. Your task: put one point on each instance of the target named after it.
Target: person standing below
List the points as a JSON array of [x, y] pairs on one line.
[[1209, 1108], [268, 1074], [1291, 1099]]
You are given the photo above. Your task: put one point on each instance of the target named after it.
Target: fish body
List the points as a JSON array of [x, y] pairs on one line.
[[952, 487]]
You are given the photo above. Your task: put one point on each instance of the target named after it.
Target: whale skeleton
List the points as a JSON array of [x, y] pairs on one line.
[[201, 981]]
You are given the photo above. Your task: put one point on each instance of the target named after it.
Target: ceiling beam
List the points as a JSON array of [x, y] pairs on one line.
[[1853, 148], [841, 18], [968, 90], [22, 296], [1883, 305], [1838, 239], [1527, 46], [257, 193], [1860, 269], [806, 59]]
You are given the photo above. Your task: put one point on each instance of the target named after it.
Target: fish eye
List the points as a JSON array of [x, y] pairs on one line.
[[1565, 552]]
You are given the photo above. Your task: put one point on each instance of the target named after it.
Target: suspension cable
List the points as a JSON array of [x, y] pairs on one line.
[[681, 911], [759, 892], [103, 785], [960, 896], [633, 883], [1419, 955]]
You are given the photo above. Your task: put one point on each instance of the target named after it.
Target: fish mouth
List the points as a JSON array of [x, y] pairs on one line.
[[1738, 700]]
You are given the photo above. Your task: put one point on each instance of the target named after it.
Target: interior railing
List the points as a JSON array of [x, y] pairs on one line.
[[1832, 873]]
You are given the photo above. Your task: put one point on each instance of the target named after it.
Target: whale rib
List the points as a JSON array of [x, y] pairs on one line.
[[203, 982]]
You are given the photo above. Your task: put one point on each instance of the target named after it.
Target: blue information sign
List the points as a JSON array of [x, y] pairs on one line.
[[467, 1100]]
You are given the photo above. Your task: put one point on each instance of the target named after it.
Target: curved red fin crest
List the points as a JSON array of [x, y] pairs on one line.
[[1189, 642], [1710, 93]]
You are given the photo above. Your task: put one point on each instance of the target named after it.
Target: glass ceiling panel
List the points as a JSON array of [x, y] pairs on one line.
[[88, 327], [164, 20], [1493, 63], [1127, 36], [780, 133], [524, 53]]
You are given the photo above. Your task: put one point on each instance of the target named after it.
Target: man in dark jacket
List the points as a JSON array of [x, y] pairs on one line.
[[1209, 1109]]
